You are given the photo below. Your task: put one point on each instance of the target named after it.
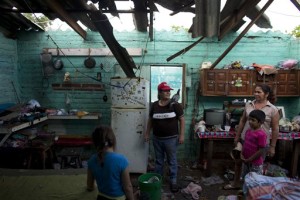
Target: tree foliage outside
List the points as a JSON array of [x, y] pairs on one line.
[[178, 28], [296, 31], [40, 20]]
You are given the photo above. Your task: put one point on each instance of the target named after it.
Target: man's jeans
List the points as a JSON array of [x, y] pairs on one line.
[[166, 147]]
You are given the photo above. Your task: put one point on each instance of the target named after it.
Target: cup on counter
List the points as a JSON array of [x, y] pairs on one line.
[[227, 128], [202, 128]]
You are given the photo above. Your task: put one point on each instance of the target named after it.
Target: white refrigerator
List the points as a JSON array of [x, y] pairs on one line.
[[129, 115]]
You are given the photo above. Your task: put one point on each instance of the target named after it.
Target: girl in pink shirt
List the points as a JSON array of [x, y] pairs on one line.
[[254, 144]]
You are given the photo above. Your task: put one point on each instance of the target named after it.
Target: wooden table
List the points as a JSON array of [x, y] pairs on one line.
[[31, 154], [41, 153], [225, 135]]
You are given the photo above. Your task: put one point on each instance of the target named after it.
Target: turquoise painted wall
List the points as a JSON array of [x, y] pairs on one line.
[[8, 71], [261, 48]]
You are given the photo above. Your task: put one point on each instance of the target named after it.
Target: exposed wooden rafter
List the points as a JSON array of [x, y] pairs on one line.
[[236, 17], [261, 12], [296, 3], [56, 6], [104, 27], [90, 51]]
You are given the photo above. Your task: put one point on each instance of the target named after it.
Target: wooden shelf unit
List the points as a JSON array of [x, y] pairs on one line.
[[88, 116], [78, 86], [222, 82], [9, 129]]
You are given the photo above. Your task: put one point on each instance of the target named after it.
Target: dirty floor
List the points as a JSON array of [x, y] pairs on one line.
[[211, 185]]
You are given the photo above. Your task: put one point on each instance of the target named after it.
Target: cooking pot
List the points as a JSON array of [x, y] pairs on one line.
[[58, 63], [90, 62]]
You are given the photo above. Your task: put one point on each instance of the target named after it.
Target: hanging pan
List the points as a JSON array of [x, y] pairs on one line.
[[89, 62], [58, 63]]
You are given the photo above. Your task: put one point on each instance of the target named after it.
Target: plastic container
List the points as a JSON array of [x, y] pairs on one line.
[[150, 186]]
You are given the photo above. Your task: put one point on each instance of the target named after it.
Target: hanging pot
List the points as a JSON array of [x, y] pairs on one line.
[[47, 62], [58, 63], [105, 98], [90, 62]]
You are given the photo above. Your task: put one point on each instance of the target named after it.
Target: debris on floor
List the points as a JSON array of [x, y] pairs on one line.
[[212, 180], [193, 190]]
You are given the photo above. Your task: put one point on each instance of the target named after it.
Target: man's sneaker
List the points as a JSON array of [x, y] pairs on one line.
[[174, 188]]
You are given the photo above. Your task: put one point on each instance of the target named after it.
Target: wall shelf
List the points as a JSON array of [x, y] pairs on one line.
[[7, 130], [78, 86], [88, 116], [21, 125]]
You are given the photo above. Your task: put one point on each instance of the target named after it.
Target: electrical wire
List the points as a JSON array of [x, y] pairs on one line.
[[143, 56], [86, 75], [76, 69]]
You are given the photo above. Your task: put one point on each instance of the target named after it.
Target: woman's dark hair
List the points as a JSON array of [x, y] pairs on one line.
[[103, 136], [267, 90]]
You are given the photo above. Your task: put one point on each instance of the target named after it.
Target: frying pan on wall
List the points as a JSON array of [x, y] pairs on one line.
[[89, 62], [47, 63], [58, 63]]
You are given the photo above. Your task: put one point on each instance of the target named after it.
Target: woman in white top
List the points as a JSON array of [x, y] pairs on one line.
[[264, 100]]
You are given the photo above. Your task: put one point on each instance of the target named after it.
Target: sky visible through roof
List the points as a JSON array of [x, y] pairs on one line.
[[284, 17]]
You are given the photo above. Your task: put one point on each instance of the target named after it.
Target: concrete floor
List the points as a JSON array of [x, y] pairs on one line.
[[186, 175]]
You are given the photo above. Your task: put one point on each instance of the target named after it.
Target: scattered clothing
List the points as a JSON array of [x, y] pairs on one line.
[[193, 190], [231, 187], [264, 187], [212, 180], [229, 197]]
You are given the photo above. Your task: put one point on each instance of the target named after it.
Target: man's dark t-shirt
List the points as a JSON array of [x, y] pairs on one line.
[[165, 119]]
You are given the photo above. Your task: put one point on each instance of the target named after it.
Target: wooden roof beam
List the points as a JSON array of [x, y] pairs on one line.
[[64, 16], [261, 12], [105, 29], [236, 17], [296, 3], [8, 33]]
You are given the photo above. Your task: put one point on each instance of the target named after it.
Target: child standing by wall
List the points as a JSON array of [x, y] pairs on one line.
[[109, 169], [254, 144]]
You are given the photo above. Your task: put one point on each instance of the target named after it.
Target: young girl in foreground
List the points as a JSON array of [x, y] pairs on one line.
[[109, 169], [254, 144]]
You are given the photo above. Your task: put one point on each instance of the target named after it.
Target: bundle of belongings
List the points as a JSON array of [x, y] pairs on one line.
[[22, 113], [236, 152], [265, 69], [264, 187], [288, 64]]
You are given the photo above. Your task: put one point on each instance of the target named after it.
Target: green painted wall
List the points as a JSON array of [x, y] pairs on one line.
[[8, 71], [261, 48]]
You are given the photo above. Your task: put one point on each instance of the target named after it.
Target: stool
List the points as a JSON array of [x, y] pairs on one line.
[[70, 156]]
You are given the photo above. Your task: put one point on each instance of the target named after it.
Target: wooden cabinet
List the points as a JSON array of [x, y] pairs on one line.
[[213, 82], [284, 83], [239, 89], [287, 83], [224, 82], [238, 83]]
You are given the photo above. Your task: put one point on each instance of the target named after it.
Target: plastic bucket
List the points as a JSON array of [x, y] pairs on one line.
[[150, 186]]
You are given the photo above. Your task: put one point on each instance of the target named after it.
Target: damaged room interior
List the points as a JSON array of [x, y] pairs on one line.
[[149, 99]]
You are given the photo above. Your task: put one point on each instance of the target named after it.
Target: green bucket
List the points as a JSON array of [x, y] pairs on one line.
[[150, 186]]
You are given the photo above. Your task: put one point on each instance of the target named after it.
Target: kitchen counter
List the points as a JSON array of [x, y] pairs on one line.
[[229, 135]]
